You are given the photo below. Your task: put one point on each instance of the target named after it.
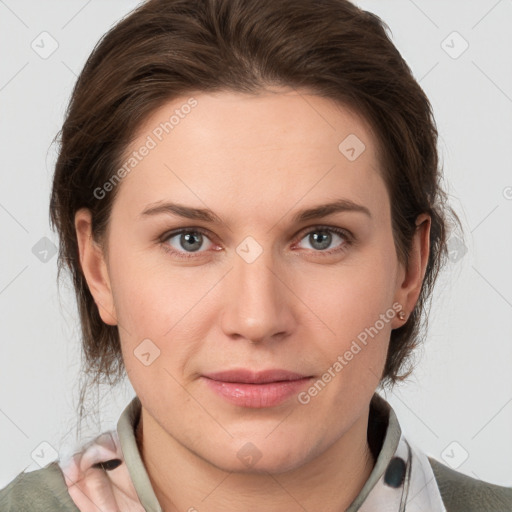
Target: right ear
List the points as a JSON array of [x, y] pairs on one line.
[[94, 267]]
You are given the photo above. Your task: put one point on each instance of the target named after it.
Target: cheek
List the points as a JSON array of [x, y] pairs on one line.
[[155, 313], [150, 295], [139, 299], [353, 303], [349, 297], [169, 306]]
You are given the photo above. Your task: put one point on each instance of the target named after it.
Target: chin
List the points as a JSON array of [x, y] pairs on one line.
[[260, 457]]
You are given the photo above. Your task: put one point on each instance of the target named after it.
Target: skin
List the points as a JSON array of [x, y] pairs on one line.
[[255, 161]]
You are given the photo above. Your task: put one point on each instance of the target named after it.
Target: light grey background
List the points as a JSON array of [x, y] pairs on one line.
[[457, 406]]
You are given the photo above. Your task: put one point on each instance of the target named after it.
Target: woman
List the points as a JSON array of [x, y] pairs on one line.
[[247, 197]]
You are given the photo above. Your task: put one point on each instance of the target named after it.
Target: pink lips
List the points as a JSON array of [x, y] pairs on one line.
[[256, 389]]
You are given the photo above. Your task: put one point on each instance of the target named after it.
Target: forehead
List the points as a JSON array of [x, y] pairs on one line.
[[271, 118], [278, 145]]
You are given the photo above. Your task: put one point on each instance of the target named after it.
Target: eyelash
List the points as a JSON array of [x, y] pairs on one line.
[[348, 237]]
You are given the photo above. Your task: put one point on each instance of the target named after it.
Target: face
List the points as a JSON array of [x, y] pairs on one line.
[[223, 257]]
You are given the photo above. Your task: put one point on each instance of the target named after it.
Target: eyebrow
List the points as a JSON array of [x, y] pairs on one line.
[[207, 215]]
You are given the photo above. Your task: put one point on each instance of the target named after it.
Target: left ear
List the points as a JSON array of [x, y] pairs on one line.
[[411, 278]]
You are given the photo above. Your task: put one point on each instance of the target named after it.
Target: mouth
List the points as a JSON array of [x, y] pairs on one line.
[[246, 388]]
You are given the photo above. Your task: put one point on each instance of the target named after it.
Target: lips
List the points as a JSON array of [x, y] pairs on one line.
[[247, 388], [250, 377]]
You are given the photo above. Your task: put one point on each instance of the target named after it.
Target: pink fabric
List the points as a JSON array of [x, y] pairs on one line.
[[410, 486], [96, 489]]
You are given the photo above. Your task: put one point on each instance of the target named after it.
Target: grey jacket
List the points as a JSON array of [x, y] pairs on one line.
[[45, 489]]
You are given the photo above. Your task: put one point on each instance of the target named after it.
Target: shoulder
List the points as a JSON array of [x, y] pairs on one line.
[[462, 493], [38, 491]]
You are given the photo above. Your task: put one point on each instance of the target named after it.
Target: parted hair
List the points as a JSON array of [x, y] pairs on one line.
[[170, 48]]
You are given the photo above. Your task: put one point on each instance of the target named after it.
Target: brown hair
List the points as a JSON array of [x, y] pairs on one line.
[[170, 48]]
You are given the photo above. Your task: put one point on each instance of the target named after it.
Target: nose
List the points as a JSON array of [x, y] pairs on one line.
[[258, 304]]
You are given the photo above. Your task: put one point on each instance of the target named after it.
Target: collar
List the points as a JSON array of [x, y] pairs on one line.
[[401, 476], [110, 472]]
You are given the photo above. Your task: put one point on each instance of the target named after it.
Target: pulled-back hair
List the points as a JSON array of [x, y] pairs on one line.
[[172, 48]]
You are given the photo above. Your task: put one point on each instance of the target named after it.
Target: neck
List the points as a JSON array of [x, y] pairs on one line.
[[182, 480]]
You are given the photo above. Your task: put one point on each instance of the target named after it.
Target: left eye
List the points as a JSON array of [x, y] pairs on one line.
[[321, 238]]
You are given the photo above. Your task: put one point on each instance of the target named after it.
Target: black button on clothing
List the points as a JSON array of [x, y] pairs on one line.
[[108, 465], [395, 473]]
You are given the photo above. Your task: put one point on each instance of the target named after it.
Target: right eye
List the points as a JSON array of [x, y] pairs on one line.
[[185, 242]]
